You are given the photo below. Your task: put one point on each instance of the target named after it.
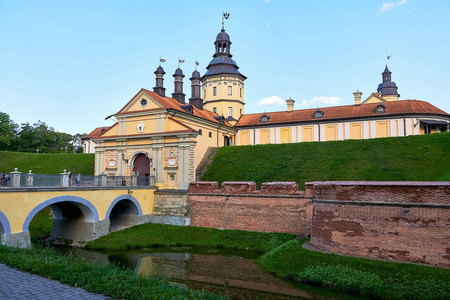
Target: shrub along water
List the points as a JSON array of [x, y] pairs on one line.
[[366, 277], [157, 235], [107, 280]]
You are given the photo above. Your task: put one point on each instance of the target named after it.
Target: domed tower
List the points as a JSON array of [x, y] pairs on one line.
[[196, 99], [223, 84], [178, 86], [159, 88], [388, 89]]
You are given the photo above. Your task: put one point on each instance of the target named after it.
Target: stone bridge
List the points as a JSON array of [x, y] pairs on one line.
[[80, 213]]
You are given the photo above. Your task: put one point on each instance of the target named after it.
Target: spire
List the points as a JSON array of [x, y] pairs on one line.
[[387, 87], [178, 84], [159, 88]]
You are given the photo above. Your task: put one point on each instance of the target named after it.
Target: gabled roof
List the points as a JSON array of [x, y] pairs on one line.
[[373, 95], [344, 112], [170, 103]]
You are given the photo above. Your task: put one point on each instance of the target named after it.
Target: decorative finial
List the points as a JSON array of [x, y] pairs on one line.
[[196, 64], [180, 61], [225, 16], [387, 58], [161, 60]]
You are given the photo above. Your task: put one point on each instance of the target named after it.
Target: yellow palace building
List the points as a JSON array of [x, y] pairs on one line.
[[167, 137]]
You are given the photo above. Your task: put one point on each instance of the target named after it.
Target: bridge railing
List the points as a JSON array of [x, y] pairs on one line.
[[66, 179]]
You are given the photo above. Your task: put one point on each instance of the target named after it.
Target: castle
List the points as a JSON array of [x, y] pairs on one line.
[[166, 138]]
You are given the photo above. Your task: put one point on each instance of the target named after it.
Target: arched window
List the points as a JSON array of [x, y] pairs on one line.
[[200, 132]]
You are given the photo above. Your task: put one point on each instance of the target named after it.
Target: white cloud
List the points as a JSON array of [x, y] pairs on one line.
[[61, 131], [388, 5], [272, 100], [319, 101]]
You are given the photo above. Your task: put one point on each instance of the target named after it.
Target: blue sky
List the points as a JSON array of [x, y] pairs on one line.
[[72, 63]]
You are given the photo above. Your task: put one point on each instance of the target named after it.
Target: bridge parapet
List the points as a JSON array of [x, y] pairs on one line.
[[66, 179]]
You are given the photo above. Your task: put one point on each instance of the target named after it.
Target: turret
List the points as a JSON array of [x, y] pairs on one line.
[[159, 88], [195, 99], [178, 86], [388, 89]]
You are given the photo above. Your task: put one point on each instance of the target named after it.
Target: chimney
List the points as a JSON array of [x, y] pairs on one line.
[[195, 90], [178, 93], [290, 104], [159, 88], [357, 95]]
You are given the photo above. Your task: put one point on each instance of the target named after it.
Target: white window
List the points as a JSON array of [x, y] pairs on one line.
[[215, 109], [230, 111], [229, 90]]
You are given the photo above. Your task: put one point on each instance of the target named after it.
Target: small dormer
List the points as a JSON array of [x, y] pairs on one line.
[[318, 114], [189, 108], [264, 119], [380, 109], [220, 119]]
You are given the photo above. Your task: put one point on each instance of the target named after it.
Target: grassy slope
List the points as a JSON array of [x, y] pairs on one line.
[[46, 163], [151, 235], [425, 157], [402, 279]]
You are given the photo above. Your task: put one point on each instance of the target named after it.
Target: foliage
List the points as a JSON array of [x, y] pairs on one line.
[[47, 163], [154, 235], [107, 280], [38, 137], [41, 224], [367, 277], [424, 157], [8, 131]]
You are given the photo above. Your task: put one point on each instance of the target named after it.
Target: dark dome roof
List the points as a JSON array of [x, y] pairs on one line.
[[159, 70], [223, 36], [178, 71], [196, 74]]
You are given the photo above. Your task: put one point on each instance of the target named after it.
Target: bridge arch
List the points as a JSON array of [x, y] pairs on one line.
[[5, 227], [60, 206], [132, 206]]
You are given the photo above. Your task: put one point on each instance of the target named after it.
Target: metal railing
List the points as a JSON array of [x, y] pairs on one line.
[[65, 179]]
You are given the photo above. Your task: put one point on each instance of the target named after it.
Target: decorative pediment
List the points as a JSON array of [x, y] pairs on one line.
[[141, 101]]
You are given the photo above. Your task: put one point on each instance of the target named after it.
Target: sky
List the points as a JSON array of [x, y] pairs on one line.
[[71, 64]]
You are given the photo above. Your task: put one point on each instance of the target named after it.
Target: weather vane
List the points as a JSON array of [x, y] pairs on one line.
[[180, 61], [387, 58], [196, 64], [161, 60], [225, 16]]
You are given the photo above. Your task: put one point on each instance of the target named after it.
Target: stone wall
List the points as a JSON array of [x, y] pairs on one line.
[[277, 207], [171, 203], [403, 221]]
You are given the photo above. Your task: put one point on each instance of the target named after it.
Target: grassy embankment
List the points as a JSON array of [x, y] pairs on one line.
[[107, 280], [47, 163], [415, 158]]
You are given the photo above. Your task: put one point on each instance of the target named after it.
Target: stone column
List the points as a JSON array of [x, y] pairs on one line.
[[64, 178], [134, 180], [15, 176], [103, 181], [30, 179]]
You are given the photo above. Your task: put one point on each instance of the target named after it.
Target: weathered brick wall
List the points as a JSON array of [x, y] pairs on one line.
[[171, 203], [404, 221], [278, 207]]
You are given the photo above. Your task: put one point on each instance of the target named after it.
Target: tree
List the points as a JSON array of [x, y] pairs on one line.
[[8, 131]]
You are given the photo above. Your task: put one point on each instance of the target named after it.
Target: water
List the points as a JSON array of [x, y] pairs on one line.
[[233, 273]]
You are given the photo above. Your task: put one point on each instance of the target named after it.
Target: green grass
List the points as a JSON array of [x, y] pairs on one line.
[[46, 163], [41, 224], [157, 235], [367, 277], [107, 280], [414, 158]]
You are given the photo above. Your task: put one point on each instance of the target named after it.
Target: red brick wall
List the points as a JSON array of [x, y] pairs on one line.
[[404, 221], [278, 207]]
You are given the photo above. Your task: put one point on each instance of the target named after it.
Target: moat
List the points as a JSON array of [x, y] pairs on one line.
[[231, 273]]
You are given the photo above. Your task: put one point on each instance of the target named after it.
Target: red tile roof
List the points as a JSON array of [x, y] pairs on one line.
[[171, 103], [97, 132], [344, 112]]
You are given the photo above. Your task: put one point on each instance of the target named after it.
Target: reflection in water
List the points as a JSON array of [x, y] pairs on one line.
[[232, 275]]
